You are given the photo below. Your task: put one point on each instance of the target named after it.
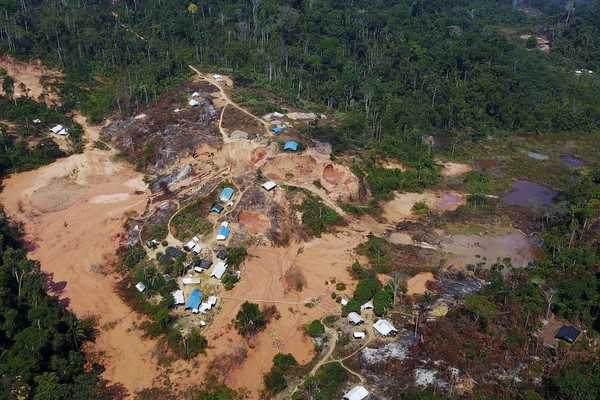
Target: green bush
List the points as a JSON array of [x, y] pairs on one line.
[[315, 329]]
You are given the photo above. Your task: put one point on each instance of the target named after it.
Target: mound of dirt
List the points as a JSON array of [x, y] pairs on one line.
[[56, 196]]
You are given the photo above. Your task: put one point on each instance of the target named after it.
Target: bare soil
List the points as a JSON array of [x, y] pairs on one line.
[[37, 79]]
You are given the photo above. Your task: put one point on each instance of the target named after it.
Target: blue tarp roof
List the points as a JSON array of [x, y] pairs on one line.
[[227, 193], [195, 299], [223, 231], [276, 130], [291, 145]]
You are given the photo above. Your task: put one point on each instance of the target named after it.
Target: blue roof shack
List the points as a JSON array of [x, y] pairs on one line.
[[227, 194], [194, 300], [291, 145], [223, 233], [276, 130]]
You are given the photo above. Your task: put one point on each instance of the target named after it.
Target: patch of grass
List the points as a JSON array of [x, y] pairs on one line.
[[257, 102], [379, 252]]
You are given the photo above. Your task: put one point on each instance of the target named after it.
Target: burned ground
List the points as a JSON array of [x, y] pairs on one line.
[[159, 136]]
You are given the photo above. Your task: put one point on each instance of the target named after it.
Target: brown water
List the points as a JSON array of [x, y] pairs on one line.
[[528, 194], [472, 249]]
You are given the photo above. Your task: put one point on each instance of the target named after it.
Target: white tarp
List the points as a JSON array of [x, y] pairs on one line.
[[358, 393], [57, 129], [269, 185], [384, 327], [355, 318], [191, 281], [140, 286], [178, 297]]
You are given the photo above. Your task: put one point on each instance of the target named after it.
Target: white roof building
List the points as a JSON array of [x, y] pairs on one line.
[[63, 132], [197, 249], [358, 393], [56, 129], [217, 77], [385, 328], [359, 335], [140, 286], [193, 103], [204, 307], [189, 245], [198, 269], [212, 300], [219, 270], [268, 186], [344, 302], [190, 281], [195, 94], [37, 121], [178, 297], [355, 318]]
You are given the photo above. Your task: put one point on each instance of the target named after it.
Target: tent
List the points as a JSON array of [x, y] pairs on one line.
[[37, 121], [291, 145], [276, 130], [140, 286], [568, 333], [195, 94], [355, 318], [227, 194], [195, 300], [219, 270], [217, 77], [193, 103], [268, 186], [217, 208], [178, 297], [174, 252], [367, 306], [385, 328], [358, 393], [223, 233], [197, 249]]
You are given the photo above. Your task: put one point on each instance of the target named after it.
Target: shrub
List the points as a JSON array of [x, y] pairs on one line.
[[315, 329]]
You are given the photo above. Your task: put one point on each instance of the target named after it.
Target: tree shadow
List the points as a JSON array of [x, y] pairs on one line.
[[117, 391], [56, 289]]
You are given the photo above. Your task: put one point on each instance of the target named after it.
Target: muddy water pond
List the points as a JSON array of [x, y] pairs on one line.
[[528, 194], [572, 160], [472, 249]]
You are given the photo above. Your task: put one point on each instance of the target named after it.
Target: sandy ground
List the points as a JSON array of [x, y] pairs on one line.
[[416, 284], [254, 222], [267, 279], [29, 74], [400, 208], [452, 169], [74, 211]]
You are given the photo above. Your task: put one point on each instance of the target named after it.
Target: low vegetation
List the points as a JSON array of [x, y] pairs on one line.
[[193, 218], [317, 218]]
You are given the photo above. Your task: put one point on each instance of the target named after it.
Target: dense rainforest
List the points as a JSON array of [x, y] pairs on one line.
[[389, 72]]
